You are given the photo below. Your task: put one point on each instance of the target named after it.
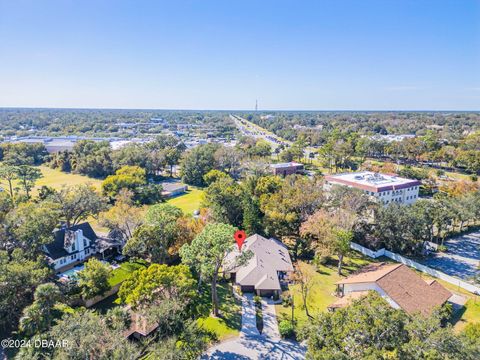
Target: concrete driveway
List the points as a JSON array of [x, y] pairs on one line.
[[461, 259], [253, 345]]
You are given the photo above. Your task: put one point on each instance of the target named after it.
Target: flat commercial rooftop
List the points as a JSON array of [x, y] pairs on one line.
[[371, 181]]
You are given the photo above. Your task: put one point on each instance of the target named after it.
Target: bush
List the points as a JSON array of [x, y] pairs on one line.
[[286, 301], [474, 177], [442, 248], [258, 313], [287, 330]]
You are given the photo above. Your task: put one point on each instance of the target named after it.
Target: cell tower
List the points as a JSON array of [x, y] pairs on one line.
[[256, 105]]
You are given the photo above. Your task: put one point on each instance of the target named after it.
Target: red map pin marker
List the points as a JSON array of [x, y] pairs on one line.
[[240, 237]]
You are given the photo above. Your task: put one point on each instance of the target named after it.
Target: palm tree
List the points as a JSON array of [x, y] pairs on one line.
[[38, 316]]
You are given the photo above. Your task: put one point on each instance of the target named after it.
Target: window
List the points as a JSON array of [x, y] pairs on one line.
[[73, 246], [84, 242]]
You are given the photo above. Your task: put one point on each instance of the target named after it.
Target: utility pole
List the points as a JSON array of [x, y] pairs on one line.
[[256, 105]]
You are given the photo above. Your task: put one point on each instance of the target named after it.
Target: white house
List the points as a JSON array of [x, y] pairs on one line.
[[385, 188], [400, 286], [263, 272], [74, 245]]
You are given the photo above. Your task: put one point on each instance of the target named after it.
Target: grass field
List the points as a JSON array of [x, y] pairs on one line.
[[230, 321], [470, 315], [322, 292], [125, 270], [56, 179], [188, 202]]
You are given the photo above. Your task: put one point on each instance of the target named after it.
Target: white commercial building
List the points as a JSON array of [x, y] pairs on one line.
[[386, 188]]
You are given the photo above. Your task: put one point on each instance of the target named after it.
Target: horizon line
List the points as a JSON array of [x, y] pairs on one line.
[[234, 110]]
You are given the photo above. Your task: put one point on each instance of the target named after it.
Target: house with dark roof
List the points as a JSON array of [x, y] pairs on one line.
[[74, 245], [264, 270], [400, 286]]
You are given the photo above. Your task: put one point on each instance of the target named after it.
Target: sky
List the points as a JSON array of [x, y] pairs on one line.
[[226, 54]]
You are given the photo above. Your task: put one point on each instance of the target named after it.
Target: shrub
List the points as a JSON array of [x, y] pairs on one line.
[[258, 313], [286, 328], [286, 301], [474, 177], [442, 248]]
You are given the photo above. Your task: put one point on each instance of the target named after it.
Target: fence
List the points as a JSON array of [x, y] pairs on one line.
[[432, 272], [96, 299]]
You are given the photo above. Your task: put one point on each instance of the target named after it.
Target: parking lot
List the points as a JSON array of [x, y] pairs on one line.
[[461, 259]]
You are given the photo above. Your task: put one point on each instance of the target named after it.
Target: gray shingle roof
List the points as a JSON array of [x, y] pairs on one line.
[[269, 257]]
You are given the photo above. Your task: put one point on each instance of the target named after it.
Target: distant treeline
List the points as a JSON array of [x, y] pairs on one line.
[[108, 122], [316, 126]]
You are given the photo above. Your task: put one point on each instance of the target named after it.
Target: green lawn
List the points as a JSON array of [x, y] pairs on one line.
[[322, 292], [230, 322], [125, 270], [56, 179], [470, 315], [189, 202]]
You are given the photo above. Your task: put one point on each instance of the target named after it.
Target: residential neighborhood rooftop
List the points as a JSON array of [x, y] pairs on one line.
[[56, 248], [403, 286], [172, 186], [269, 257]]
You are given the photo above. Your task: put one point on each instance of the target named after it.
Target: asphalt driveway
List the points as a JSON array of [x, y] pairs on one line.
[[253, 345], [461, 259]]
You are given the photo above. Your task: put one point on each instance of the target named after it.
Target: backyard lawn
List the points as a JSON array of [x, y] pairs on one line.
[[470, 315], [322, 292], [189, 202], [125, 270], [230, 322]]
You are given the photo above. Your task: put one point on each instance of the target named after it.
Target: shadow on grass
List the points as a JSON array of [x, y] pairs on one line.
[[106, 304], [351, 265], [230, 307], [457, 315]]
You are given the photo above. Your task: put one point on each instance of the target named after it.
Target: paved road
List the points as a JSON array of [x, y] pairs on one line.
[[461, 259], [253, 345]]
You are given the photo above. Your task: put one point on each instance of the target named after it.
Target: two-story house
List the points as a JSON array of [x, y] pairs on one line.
[[74, 245]]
